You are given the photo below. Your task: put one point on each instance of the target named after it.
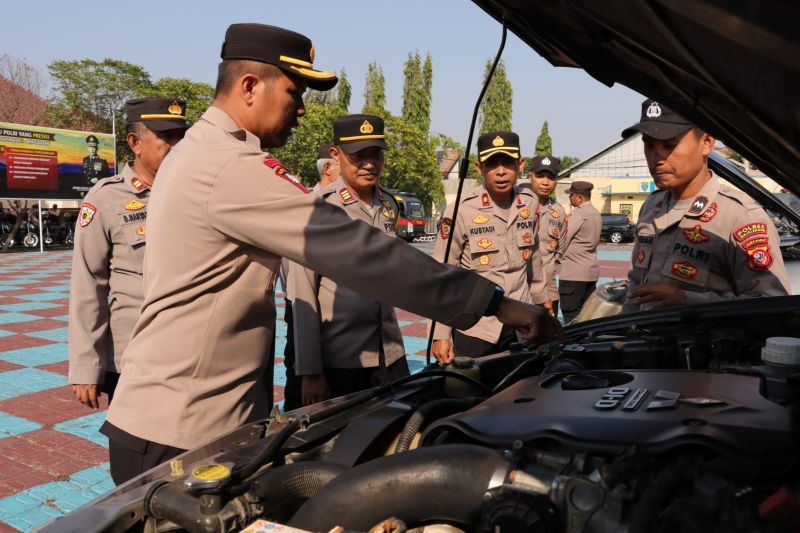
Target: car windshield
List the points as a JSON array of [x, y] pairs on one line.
[[414, 209]]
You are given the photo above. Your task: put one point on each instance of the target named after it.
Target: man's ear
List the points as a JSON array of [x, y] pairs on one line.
[[335, 153], [246, 86], [521, 165], [135, 143], [708, 143]]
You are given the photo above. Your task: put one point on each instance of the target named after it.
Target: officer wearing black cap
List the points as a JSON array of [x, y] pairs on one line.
[[495, 236], [552, 228], [106, 286], [580, 268], [346, 342], [94, 166], [697, 240], [224, 213]]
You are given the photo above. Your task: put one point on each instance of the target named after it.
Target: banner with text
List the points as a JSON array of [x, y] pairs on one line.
[[38, 162]]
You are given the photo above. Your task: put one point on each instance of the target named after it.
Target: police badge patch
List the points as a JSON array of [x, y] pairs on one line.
[[88, 211], [282, 172], [444, 228]]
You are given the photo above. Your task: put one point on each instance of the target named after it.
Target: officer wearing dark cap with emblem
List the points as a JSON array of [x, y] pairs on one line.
[[346, 342], [552, 227], [223, 215], [495, 235], [106, 288], [697, 240], [580, 268], [94, 166]]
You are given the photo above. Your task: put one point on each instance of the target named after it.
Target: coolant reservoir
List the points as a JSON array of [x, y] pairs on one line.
[[465, 366], [782, 351]]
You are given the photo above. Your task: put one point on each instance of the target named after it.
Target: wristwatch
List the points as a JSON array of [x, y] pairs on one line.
[[494, 303]]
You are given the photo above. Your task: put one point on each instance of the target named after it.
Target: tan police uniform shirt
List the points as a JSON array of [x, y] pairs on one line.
[[496, 247], [220, 217], [106, 289], [335, 326], [579, 259], [720, 245], [552, 238]]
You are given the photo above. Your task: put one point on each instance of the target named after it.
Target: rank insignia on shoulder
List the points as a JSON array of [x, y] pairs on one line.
[[525, 213], [526, 254], [137, 184], [750, 229], [698, 205], [345, 195], [141, 231], [484, 259], [520, 201], [555, 214], [485, 200], [684, 269], [695, 234], [710, 213], [88, 211], [282, 172], [134, 205], [484, 243], [480, 219], [444, 228]]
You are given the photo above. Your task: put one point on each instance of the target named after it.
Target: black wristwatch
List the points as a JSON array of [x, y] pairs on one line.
[[494, 303]]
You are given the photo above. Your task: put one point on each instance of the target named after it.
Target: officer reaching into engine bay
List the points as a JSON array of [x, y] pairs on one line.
[[697, 240]]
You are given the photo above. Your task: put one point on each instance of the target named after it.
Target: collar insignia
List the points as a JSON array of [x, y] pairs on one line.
[[485, 200], [346, 195], [710, 213], [137, 184], [698, 205]]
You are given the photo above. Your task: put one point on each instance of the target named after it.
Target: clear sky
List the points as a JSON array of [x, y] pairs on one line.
[[183, 38]]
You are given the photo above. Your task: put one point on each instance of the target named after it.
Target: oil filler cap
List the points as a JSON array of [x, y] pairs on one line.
[[782, 351]]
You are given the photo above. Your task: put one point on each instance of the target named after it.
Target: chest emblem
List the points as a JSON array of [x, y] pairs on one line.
[[695, 234], [553, 244], [640, 257], [527, 238], [141, 231], [134, 205], [484, 259], [685, 270], [484, 243], [711, 212], [525, 213], [526, 254], [555, 214], [750, 229], [698, 205], [88, 211], [480, 219], [388, 213]]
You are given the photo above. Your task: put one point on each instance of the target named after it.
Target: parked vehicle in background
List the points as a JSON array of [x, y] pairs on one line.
[[411, 221], [616, 228]]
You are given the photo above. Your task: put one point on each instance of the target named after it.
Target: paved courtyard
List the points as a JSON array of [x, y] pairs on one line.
[[52, 458]]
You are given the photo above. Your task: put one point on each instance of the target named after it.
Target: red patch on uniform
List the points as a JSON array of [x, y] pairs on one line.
[[526, 254], [345, 195], [88, 211], [711, 212], [485, 200], [282, 172], [137, 184], [695, 234], [750, 229], [641, 256], [756, 242], [759, 258], [444, 228], [519, 200], [527, 238], [684, 269]]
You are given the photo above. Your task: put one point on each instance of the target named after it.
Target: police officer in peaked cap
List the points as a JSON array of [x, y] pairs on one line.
[[94, 166]]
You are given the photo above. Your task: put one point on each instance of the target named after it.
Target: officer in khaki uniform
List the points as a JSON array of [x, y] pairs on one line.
[[495, 235], [223, 214], [580, 269], [697, 240], [346, 342], [552, 227], [106, 286]]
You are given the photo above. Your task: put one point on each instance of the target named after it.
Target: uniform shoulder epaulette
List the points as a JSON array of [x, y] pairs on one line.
[[474, 192], [388, 195], [327, 190], [739, 196], [109, 180]]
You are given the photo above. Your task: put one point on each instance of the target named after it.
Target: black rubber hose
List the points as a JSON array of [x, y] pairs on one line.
[[173, 502], [433, 409], [441, 483]]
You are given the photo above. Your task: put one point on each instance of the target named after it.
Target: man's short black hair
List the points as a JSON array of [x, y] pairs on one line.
[[137, 128], [231, 69]]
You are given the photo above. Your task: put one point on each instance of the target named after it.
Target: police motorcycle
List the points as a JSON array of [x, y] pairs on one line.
[[681, 419]]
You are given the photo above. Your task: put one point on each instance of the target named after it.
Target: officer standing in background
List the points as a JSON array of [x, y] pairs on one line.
[[579, 266], [495, 236], [106, 288], [221, 218], [94, 166], [552, 224], [327, 167], [346, 342], [697, 240]]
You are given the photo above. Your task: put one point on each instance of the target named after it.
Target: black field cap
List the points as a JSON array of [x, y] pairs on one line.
[[659, 122], [546, 163], [580, 187], [91, 140], [356, 132], [283, 48], [158, 114], [323, 152], [498, 142]]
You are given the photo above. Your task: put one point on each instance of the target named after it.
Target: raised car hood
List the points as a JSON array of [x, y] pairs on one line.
[[731, 66]]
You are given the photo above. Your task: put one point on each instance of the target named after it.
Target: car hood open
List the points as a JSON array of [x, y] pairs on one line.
[[731, 66]]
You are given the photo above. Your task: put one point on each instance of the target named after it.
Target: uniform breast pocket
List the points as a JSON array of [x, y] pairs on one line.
[[642, 252], [686, 270], [484, 250], [135, 234], [524, 238]]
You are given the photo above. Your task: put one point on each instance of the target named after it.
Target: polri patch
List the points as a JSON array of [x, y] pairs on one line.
[[695, 234], [750, 229], [134, 205], [88, 211]]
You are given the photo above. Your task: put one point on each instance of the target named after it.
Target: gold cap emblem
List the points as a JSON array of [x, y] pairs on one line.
[[174, 108], [311, 53], [366, 128], [498, 141]]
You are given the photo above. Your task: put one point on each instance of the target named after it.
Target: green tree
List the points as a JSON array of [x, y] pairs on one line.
[[496, 107], [544, 144], [343, 91], [417, 85], [338, 96], [568, 161], [411, 161], [427, 92], [375, 91]]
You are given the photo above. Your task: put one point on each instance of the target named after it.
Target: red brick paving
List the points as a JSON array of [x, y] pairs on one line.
[[62, 367], [5, 366], [50, 312], [415, 330], [35, 325], [5, 528], [6, 301], [47, 407], [14, 342], [408, 317]]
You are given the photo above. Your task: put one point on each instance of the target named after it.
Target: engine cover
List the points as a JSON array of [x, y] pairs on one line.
[[655, 410]]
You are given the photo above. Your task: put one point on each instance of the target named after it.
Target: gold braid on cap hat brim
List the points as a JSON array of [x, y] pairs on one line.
[[508, 150], [161, 116]]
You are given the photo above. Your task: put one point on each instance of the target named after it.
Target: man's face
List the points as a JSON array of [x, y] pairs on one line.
[[500, 173], [543, 184], [575, 199], [151, 147], [276, 106], [362, 169], [92, 151], [674, 163]]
